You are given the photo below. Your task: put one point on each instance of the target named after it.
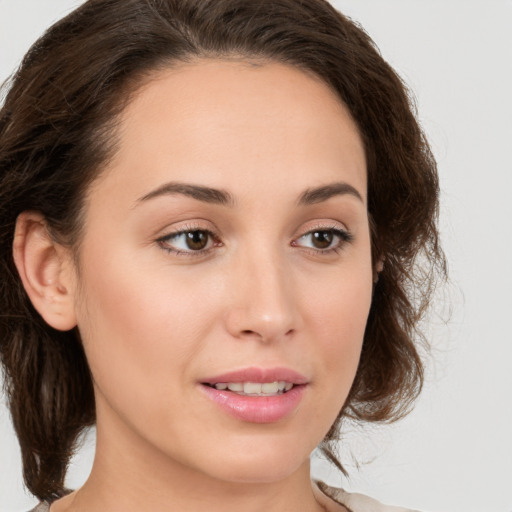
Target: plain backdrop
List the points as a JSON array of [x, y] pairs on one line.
[[454, 452]]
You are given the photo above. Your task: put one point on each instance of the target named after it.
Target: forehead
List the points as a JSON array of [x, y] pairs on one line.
[[232, 124]]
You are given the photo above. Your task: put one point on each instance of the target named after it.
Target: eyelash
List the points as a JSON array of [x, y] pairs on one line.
[[164, 240], [344, 237]]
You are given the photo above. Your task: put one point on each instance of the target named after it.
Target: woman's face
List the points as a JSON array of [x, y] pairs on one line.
[[226, 244]]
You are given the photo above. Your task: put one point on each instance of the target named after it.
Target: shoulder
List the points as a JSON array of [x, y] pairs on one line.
[[42, 507], [332, 497]]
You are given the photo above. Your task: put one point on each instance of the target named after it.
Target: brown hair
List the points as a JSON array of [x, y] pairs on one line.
[[57, 131]]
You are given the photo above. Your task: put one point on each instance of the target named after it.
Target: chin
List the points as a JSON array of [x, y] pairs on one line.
[[259, 471], [262, 462]]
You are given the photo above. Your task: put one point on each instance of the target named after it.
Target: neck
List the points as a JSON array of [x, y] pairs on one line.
[[135, 490], [129, 474]]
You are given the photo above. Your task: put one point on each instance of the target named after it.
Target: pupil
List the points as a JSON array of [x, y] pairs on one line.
[[322, 239], [197, 240]]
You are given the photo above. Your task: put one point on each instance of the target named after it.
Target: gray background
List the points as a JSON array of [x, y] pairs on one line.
[[454, 452]]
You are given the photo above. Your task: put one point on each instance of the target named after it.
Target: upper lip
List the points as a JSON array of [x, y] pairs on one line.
[[261, 375]]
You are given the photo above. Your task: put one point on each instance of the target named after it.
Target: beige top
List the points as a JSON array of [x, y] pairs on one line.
[[332, 500], [354, 502]]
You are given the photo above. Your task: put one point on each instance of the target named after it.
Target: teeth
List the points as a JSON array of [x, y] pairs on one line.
[[256, 388], [253, 388], [269, 387]]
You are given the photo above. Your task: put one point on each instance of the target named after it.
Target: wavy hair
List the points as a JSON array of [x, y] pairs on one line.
[[58, 130]]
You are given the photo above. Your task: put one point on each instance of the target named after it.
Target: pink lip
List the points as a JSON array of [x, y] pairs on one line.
[[254, 374], [254, 409]]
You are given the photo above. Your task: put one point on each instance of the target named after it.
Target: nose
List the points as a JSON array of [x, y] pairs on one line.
[[263, 304]]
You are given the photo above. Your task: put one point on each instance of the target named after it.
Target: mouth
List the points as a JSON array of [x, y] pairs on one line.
[[254, 388], [257, 395]]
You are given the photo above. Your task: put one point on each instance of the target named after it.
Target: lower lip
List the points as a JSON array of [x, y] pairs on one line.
[[257, 409]]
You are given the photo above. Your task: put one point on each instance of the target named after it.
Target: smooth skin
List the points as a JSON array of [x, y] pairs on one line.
[[270, 277]]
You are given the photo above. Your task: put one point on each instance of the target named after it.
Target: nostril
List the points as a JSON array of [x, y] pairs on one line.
[[264, 336]]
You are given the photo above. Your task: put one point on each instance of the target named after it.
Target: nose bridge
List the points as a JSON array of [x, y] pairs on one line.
[[264, 304]]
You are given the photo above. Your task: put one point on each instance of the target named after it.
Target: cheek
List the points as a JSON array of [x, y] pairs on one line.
[[337, 319], [134, 324], [339, 309]]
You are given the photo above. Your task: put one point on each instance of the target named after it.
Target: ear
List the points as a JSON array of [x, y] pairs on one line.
[[46, 270], [379, 267]]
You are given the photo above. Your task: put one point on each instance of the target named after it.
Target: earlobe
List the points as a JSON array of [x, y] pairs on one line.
[[379, 267], [45, 270]]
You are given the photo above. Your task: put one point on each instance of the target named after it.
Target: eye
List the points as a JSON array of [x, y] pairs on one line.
[[324, 240], [192, 240]]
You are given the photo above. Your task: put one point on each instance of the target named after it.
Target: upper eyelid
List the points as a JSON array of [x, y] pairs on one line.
[[345, 235], [184, 227], [214, 230], [179, 232], [334, 229], [326, 225]]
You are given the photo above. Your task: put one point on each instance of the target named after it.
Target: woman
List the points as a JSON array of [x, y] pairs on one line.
[[211, 213]]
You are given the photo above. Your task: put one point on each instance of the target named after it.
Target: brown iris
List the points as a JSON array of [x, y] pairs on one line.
[[196, 240], [322, 239]]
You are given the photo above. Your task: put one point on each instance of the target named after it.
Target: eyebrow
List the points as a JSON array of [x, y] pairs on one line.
[[199, 192], [222, 197], [325, 192]]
